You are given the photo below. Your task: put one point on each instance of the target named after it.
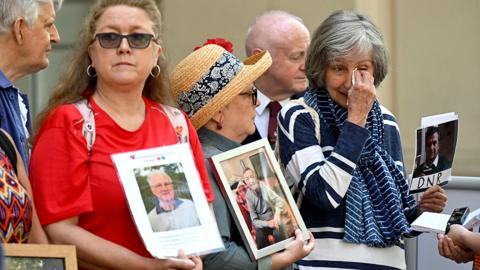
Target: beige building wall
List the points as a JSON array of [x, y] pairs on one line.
[[437, 70], [434, 50]]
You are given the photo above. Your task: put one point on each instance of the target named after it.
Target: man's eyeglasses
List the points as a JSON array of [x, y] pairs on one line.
[[253, 94], [113, 40], [162, 185]]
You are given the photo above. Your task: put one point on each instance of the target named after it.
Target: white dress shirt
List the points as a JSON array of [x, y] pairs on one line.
[[263, 113]]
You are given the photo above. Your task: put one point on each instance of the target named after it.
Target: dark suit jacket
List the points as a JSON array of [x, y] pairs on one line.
[[423, 169], [253, 137]]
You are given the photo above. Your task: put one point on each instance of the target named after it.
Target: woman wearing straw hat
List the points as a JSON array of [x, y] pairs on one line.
[[216, 91]]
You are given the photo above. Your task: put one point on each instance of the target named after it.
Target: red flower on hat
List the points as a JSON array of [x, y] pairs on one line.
[[227, 45]]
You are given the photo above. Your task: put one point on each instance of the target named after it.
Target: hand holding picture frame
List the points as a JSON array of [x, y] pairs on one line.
[[434, 151], [258, 197], [39, 257], [167, 201]]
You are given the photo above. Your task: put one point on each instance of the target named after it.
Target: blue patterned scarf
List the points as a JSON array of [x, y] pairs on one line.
[[378, 192]]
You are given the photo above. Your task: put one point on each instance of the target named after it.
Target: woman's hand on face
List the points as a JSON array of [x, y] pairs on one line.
[[361, 96], [448, 249], [433, 200]]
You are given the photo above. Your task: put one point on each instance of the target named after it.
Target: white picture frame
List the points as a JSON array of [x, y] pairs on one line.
[[423, 177], [230, 168], [165, 232], [40, 256]]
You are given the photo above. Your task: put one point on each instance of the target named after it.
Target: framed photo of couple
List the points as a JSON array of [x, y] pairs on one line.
[[258, 197], [167, 201]]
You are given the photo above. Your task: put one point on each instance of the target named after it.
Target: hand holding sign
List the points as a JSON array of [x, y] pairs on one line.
[[435, 149], [433, 200]]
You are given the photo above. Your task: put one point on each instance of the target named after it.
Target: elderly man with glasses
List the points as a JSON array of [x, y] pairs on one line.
[[169, 213]]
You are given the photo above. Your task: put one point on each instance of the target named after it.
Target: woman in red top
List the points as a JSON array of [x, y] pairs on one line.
[[118, 66]]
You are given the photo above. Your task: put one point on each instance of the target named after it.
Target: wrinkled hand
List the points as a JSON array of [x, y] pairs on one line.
[[171, 264], [198, 262], [433, 200], [277, 219], [448, 249], [181, 262], [361, 97], [297, 249], [272, 224]]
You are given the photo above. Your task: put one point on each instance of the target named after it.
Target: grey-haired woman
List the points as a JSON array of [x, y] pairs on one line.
[[216, 91], [343, 150]]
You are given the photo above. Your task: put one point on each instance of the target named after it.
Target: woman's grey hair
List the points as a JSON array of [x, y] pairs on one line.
[[343, 34], [10, 10]]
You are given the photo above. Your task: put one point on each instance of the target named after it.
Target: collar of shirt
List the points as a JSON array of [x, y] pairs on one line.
[[211, 138], [4, 81], [22, 103], [263, 114], [161, 210], [435, 162]]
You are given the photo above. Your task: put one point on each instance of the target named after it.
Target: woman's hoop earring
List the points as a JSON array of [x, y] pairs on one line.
[[91, 72], [155, 71], [219, 125]]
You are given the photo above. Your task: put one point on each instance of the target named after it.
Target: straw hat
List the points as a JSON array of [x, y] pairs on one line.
[[209, 78]]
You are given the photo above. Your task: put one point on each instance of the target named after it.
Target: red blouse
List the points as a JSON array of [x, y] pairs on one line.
[[66, 183]]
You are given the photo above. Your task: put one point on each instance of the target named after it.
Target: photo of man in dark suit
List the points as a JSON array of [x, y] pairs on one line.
[[434, 162]]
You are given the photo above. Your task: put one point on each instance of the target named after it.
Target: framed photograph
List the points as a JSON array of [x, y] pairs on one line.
[[167, 201], [40, 257], [434, 153], [259, 197]]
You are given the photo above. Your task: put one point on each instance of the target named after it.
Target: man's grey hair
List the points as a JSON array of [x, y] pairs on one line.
[[11, 10], [158, 172]]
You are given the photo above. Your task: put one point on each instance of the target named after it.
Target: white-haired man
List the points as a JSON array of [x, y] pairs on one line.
[[169, 213], [286, 38], [27, 32]]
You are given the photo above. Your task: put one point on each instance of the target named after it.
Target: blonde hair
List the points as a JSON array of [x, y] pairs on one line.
[[75, 82]]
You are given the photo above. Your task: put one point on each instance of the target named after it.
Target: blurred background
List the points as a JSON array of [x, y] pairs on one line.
[[434, 49]]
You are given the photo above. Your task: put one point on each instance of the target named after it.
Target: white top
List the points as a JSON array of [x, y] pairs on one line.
[[183, 216], [263, 113], [24, 113]]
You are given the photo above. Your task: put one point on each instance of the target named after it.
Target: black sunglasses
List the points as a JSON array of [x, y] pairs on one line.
[[113, 40], [253, 94]]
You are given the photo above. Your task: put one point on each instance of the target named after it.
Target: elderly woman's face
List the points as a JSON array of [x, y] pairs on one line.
[[131, 61], [239, 115], [38, 39], [338, 75]]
